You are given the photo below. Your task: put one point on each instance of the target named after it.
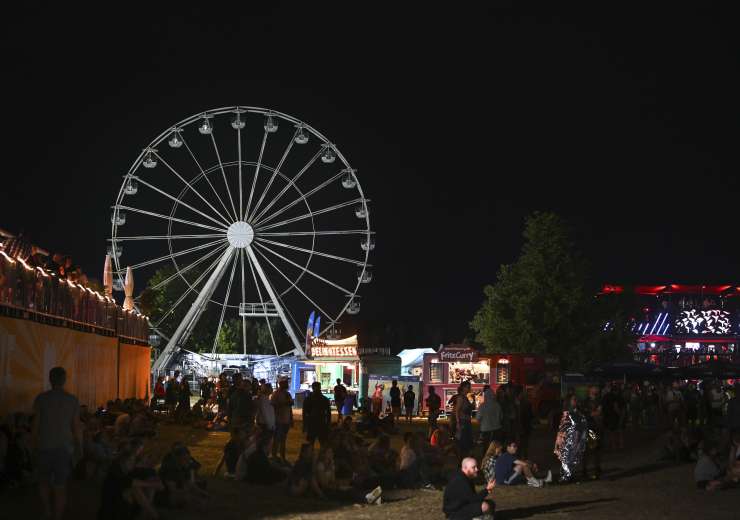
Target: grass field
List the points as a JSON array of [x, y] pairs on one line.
[[634, 486]]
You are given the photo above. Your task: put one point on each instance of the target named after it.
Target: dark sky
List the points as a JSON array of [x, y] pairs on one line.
[[460, 123]]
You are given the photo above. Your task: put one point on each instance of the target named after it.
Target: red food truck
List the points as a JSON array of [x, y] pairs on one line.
[[538, 375]]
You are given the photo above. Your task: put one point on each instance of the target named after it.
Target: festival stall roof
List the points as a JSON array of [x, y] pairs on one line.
[[411, 357], [653, 290]]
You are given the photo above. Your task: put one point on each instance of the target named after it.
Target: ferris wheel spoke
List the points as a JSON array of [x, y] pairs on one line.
[[225, 305], [213, 188], [169, 217], [239, 157], [178, 201], [298, 200], [275, 173], [223, 174], [311, 251], [256, 174], [287, 186], [179, 253], [311, 214], [244, 296], [287, 279], [317, 233], [305, 269], [190, 186], [262, 302], [191, 288], [186, 269], [165, 237]]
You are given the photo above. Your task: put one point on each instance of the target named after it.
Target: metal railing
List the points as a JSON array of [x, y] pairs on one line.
[[50, 297]]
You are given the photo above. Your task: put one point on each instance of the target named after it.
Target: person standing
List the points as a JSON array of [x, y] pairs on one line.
[[526, 420], [172, 393], [434, 403], [489, 417], [592, 411], [266, 413], [57, 437], [570, 442], [241, 407], [316, 415], [395, 394], [409, 400], [340, 394], [376, 401], [283, 403], [463, 416]]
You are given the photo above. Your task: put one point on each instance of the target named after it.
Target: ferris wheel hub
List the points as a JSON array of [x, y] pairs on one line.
[[240, 234]]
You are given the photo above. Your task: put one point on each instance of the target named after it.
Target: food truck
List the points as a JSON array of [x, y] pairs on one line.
[[453, 364]]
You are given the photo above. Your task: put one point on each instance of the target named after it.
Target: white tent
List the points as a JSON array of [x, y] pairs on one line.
[[413, 357]]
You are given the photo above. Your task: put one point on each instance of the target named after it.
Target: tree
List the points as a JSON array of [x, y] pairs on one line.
[[538, 303]]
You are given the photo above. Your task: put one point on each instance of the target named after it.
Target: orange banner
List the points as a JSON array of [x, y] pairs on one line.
[[28, 350]]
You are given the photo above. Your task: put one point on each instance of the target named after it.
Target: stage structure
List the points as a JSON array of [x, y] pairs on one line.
[[258, 215]]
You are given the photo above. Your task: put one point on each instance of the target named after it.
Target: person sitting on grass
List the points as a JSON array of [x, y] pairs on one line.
[[344, 442], [707, 471], [460, 500], [325, 472], [441, 439], [495, 448], [380, 454], [179, 476], [128, 488], [409, 463], [249, 447], [733, 461], [509, 470], [302, 478], [232, 450], [259, 469]]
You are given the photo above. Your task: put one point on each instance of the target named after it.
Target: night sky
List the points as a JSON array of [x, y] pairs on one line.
[[460, 124]]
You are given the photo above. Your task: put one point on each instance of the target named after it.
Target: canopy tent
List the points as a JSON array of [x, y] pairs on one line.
[[628, 369], [413, 357], [711, 369]]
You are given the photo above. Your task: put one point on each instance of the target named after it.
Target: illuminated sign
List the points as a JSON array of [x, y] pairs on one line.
[[457, 353], [334, 348], [703, 322], [318, 351]]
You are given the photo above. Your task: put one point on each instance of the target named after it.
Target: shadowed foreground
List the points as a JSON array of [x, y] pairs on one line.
[[633, 486]]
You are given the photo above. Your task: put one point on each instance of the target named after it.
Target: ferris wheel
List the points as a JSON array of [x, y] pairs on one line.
[[247, 211]]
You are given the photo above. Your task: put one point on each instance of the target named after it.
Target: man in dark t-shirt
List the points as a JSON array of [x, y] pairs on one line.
[[409, 400], [316, 415], [340, 394], [57, 436], [395, 393]]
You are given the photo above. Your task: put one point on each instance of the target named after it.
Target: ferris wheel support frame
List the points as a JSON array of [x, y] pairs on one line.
[[185, 328], [299, 352]]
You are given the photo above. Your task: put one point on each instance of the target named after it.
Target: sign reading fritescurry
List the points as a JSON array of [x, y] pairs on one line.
[[453, 353]]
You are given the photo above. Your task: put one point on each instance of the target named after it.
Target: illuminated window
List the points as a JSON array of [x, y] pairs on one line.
[[435, 372], [503, 372]]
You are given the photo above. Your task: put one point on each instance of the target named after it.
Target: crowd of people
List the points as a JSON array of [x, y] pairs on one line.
[[700, 423], [351, 459]]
